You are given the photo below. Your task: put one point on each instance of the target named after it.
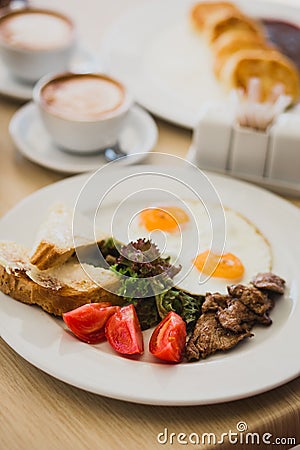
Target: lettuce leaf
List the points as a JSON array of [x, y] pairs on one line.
[[144, 259], [147, 284], [145, 271]]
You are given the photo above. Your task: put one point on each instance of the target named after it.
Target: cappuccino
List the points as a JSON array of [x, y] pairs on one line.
[[84, 97], [35, 30]]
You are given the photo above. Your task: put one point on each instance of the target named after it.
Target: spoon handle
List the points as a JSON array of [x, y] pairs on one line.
[[114, 152]]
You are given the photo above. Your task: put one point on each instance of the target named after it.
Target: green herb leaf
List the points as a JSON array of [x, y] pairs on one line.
[[146, 311], [188, 306]]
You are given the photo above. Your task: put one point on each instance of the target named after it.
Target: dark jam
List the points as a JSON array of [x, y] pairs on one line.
[[286, 37]]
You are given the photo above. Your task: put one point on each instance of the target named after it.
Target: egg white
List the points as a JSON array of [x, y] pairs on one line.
[[204, 231], [242, 239]]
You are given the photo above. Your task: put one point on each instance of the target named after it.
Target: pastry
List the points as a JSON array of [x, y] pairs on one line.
[[202, 10], [268, 65], [232, 41], [228, 20]]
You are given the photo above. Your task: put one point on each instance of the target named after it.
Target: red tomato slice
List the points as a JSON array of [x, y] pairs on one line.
[[124, 333], [87, 322], [168, 338]]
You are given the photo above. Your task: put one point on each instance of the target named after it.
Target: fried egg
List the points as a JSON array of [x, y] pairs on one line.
[[214, 247], [163, 218]]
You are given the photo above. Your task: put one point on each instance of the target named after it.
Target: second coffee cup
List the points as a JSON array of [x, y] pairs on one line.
[[82, 112], [34, 42]]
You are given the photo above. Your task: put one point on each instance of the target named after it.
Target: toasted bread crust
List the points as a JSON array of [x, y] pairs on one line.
[[48, 255], [17, 285], [54, 301]]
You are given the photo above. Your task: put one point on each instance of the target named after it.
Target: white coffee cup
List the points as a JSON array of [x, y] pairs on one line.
[[34, 42], [82, 112]]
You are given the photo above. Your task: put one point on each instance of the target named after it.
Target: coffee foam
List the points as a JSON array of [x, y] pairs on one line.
[[82, 98], [35, 30]]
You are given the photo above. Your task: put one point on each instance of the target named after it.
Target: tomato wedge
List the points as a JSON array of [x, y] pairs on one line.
[[124, 333], [168, 338], [87, 322]]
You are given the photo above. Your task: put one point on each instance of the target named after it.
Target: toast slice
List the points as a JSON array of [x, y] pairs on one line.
[[56, 239], [56, 290]]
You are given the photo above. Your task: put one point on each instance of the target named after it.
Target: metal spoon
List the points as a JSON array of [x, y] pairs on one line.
[[114, 152]]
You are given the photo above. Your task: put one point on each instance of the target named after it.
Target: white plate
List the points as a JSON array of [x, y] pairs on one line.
[[266, 361], [165, 64], [31, 138]]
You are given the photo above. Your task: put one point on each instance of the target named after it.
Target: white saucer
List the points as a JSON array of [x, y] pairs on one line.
[[13, 88], [32, 140]]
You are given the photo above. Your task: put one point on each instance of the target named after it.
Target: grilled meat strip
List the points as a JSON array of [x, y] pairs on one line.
[[209, 336], [237, 317], [269, 282], [213, 302], [228, 319], [254, 299]]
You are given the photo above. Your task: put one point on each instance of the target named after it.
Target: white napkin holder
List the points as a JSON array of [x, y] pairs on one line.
[[270, 158]]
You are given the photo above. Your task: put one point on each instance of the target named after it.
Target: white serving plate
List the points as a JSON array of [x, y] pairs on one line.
[[264, 362], [166, 65]]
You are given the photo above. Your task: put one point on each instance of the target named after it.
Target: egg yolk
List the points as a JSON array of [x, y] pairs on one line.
[[164, 218], [226, 266]]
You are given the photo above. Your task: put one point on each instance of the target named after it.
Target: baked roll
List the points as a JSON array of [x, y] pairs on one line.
[[201, 11], [269, 66], [227, 20], [231, 42]]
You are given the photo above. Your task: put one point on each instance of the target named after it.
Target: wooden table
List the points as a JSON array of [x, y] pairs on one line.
[[38, 412]]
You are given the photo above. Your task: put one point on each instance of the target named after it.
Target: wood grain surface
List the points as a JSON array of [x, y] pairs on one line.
[[39, 412]]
